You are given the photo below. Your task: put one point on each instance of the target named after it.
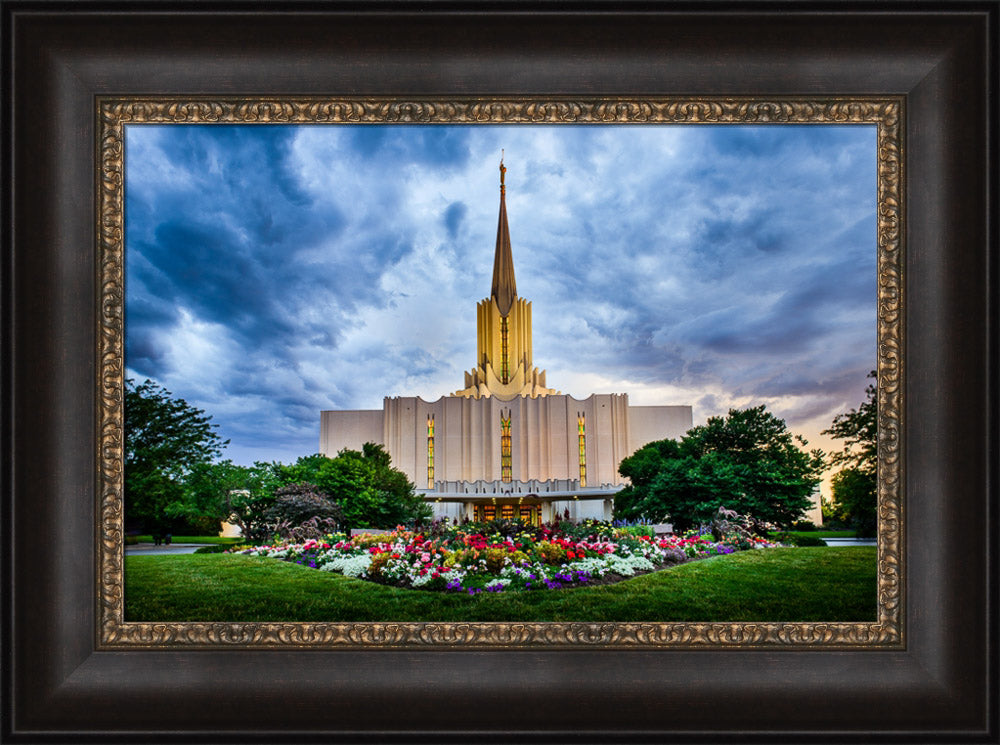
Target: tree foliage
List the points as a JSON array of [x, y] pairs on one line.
[[858, 428], [371, 493], [854, 487], [171, 474], [241, 495], [854, 500], [747, 462], [165, 440]]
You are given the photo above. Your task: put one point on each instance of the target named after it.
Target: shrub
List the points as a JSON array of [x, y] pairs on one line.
[[378, 564], [212, 549], [736, 529], [674, 556], [517, 558], [495, 559], [312, 529], [803, 526], [550, 552], [801, 540], [808, 540], [300, 502]]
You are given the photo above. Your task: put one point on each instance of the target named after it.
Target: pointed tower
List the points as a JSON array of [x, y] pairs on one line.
[[503, 338], [504, 287]]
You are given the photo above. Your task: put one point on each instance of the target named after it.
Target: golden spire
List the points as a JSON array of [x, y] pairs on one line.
[[504, 287]]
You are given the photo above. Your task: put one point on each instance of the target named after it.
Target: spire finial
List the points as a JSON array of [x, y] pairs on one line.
[[503, 171]]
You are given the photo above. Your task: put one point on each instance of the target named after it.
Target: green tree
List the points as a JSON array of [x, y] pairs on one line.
[[371, 493], [165, 438], [854, 487], [225, 492], [747, 462], [854, 501], [858, 428]]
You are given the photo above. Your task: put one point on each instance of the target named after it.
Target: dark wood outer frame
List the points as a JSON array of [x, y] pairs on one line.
[[58, 687]]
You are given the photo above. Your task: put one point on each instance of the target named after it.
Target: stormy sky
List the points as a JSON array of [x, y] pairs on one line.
[[276, 271]]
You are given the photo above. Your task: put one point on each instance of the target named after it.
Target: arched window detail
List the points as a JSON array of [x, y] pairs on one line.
[[581, 430]]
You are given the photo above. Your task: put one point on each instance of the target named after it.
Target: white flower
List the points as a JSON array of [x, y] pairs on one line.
[[349, 566]]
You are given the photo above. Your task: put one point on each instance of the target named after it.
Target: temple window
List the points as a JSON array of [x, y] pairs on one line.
[[504, 352], [430, 451], [581, 429], [506, 472]]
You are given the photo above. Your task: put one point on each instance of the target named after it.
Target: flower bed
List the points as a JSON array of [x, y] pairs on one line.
[[473, 559]]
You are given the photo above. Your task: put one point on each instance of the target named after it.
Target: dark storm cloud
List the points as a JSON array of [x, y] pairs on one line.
[[228, 246], [276, 271], [453, 217], [227, 234], [746, 266]]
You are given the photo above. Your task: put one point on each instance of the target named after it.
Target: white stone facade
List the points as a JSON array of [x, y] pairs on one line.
[[505, 444]]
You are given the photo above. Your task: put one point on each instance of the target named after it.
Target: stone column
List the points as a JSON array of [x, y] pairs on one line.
[[546, 515]]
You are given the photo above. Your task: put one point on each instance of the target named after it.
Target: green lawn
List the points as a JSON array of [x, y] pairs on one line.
[[817, 533], [784, 584]]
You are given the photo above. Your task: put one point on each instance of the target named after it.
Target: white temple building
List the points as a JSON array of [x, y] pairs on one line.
[[506, 445]]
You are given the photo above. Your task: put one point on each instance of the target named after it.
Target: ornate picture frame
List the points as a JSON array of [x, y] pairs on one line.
[[886, 631]]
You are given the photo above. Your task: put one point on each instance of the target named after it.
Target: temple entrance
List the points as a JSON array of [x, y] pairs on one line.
[[528, 513]]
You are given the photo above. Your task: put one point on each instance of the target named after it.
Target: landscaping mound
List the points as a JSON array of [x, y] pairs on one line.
[[504, 556]]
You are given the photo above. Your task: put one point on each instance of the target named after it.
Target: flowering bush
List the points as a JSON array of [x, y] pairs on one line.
[[468, 559]]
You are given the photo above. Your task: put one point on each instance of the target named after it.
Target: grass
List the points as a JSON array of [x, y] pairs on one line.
[[816, 533], [784, 584]]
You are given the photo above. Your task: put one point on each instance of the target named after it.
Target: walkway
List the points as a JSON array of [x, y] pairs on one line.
[[850, 541], [151, 549]]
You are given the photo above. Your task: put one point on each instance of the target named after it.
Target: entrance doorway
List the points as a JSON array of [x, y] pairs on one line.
[[527, 513]]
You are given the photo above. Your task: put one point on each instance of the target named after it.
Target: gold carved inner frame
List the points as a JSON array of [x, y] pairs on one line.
[[886, 113]]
